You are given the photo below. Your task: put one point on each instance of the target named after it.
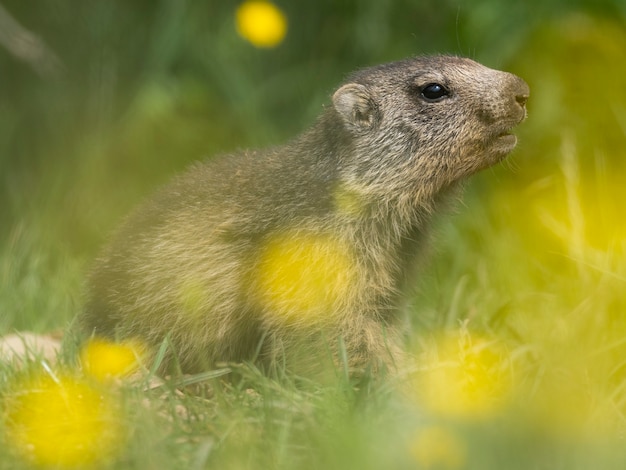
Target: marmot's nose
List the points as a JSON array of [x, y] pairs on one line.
[[521, 91]]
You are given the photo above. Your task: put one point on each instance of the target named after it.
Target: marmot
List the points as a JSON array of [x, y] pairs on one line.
[[301, 252]]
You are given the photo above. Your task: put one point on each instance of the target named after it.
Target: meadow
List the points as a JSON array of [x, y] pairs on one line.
[[517, 326]]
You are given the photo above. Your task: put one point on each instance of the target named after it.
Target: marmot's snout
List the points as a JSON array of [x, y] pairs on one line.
[[508, 100], [504, 107], [522, 97], [521, 91]]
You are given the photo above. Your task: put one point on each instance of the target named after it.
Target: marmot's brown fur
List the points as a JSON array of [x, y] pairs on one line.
[[301, 252]]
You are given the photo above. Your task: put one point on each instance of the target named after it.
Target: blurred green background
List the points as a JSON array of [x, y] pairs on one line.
[[102, 101]]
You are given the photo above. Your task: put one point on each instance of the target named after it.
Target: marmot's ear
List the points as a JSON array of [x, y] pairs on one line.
[[356, 105]]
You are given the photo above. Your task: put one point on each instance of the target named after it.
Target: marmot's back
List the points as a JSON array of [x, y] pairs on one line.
[[289, 252]]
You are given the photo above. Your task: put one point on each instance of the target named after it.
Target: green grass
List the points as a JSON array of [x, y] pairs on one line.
[[538, 340], [39, 283]]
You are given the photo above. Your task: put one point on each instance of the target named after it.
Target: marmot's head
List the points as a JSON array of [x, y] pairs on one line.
[[428, 121]]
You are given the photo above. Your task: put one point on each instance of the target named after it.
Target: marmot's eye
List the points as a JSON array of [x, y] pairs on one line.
[[434, 92]]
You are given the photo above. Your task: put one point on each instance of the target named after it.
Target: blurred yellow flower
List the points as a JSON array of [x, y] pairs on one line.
[[349, 201], [104, 360], [261, 23], [305, 277], [437, 447], [464, 377], [63, 422]]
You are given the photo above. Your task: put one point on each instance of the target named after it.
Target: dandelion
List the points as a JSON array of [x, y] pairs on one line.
[[437, 447], [104, 360], [261, 23], [304, 277], [464, 377], [62, 421], [348, 201]]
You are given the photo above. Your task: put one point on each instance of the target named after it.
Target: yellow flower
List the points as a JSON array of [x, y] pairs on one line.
[[305, 277], [349, 201], [104, 360], [436, 447], [464, 377], [62, 421], [261, 23]]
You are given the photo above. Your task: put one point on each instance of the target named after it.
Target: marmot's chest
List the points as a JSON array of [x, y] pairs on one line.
[[324, 275]]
